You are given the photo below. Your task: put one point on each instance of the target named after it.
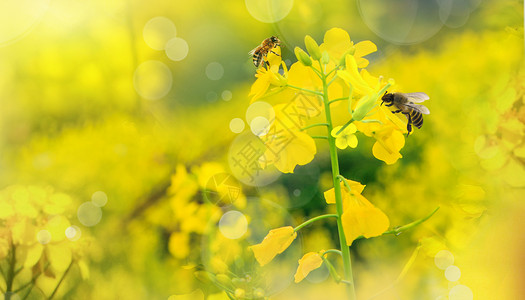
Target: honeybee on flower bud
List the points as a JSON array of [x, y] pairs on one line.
[[260, 52], [406, 104]]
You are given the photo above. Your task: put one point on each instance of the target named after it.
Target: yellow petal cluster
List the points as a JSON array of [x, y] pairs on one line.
[[345, 138]]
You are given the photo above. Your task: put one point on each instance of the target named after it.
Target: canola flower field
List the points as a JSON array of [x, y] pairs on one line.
[[362, 150]]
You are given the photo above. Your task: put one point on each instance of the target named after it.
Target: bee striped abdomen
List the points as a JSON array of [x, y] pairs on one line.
[[257, 57], [416, 118]]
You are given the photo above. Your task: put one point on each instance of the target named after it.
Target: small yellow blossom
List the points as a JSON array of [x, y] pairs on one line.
[[345, 138], [360, 217], [274, 243], [352, 76], [337, 43], [389, 142], [267, 76], [309, 262], [356, 189]]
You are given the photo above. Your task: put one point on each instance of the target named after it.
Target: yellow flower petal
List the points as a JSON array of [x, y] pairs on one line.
[[362, 218], [309, 262], [341, 143], [59, 256], [352, 76], [289, 150], [335, 131], [351, 141], [274, 243], [336, 42], [361, 49], [388, 145]]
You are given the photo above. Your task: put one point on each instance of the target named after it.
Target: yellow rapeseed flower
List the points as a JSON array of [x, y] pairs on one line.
[[337, 43], [360, 217], [267, 76], [274, 243], [345, 138], [389, 142], [309, 262]]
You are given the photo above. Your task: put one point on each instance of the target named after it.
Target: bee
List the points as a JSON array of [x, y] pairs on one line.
[[405, 104], [260, 52]]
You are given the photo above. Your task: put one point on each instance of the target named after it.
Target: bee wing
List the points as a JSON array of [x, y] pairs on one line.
[[417, 97], [418, 107], [252, 51]]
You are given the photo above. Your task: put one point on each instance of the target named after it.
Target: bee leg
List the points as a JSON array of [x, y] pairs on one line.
[[396, 111], [275, 53], [389, 104], [409, 123]]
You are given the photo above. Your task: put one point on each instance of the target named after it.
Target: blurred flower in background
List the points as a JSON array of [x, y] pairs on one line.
[[138, 115]]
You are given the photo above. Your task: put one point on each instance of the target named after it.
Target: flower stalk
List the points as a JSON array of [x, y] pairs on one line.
[[345, 250], [305, 223]]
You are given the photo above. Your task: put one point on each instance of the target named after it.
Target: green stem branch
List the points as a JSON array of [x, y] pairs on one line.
[[332, 251], [304, 90], [319, 137], [400, 229], [60, 281], [305, 223], [313, 125], [338, 99]]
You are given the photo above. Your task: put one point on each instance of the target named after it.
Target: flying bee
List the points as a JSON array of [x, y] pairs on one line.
[[405, 104], [260, 52]]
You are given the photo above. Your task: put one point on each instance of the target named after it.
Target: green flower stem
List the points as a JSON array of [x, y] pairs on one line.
[[319, 137], [60, 281], [10, 274], [331, 270], [345, 182], [345, 250], [332, 251], [338, 99], [315, 219], [332, 80], [304, 90], [344, 126], [400, 229], [313, 125]]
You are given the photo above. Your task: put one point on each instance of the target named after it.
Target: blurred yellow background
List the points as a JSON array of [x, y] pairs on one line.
[[116, 123]]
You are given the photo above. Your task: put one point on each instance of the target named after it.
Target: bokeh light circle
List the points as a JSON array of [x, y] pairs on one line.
[[260, 109], [402, 22], [152, 80], [460, 292], [99, 198], [452, 273], [19, 18], [73, 233], [443, 259], [233, 224], [226, 95], [89, 214], [237, 125], [214, 71], [177, 49], [269, 11], [260, 126], [158, 31], [43, 237]]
